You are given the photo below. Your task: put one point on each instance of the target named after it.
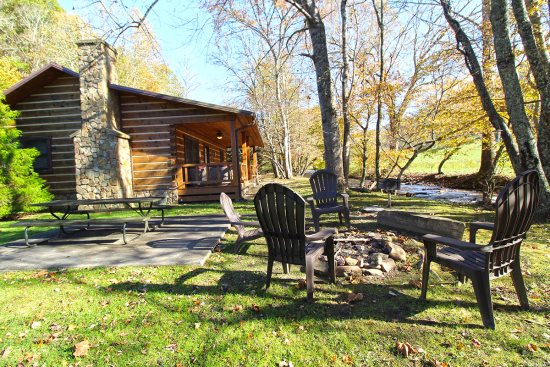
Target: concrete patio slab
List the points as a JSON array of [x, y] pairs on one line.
[[184, 240]]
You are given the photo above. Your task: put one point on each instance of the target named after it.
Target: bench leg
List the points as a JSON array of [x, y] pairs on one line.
[[146, 227], [27, 238], [162, 218], [124, 234]]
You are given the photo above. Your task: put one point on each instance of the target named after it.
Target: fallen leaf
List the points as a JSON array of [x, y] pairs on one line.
[[476, 343], [347, 359], [29, 357], [436, 363], [301, 284], [36, 324], [405, 349], [6, 352], [532, 347], [237, 308], [355, 297], [284, 363], [81, 349], [197, 325], [71, 327], [172, 347], [256, 308], [415, 283]]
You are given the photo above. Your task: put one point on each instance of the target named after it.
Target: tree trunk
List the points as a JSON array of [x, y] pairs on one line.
[[464, 46], [287, 160], [331, 134], [345, 111], [448, 154], [515, 106], [538, 61], [364, 156], [380, 21], [487, 138]]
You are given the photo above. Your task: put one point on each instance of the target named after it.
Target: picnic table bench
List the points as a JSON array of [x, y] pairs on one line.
[[158, 207], [81, 222]]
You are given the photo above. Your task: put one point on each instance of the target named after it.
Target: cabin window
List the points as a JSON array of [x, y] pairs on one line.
[[44, 145], [222, 155], [206, 154]]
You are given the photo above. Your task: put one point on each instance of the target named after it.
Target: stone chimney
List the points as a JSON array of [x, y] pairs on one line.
[[102, 151]]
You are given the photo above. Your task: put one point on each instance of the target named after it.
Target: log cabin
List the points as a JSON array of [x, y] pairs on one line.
[[98, 139]]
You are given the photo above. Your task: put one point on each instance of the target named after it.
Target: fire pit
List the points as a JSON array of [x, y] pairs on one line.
[[370, 254]]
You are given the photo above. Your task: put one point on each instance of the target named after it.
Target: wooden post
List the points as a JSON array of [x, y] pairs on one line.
[[255, 164], [235, 156]]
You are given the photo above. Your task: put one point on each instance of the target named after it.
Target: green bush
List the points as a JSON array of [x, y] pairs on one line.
[[20, 185]]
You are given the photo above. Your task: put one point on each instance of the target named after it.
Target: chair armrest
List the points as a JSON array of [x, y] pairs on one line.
[[310, 199], [345, 197], [475, 226], [321, 235], [432, 239], [248, 224]]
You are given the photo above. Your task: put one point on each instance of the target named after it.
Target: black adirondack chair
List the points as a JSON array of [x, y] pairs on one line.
[[234, 218], [281, 213], [515, 208], [324, 185]]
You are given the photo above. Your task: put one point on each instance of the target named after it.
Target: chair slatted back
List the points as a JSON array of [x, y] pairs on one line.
[[229, 210], [515, 209], [324, 185], [281, 213]]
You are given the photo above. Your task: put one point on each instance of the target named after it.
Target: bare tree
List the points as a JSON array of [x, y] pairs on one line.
[[331, 134]]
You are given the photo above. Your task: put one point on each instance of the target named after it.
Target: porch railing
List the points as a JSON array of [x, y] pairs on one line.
[[219, 173]]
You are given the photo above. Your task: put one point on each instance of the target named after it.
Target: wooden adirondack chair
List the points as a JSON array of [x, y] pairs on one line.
[[234, 218], [515, 208], [281, 213], [324, 185]]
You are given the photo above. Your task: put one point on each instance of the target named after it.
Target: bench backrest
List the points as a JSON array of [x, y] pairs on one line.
[[229, 210]]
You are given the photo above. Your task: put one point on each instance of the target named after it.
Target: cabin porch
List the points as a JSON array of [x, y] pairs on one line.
[[205, 163]]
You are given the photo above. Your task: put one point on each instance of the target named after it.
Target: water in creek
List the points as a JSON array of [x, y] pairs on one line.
[[441, 193]]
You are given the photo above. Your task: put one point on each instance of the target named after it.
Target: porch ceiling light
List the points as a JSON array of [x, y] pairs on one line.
[[219, 135]]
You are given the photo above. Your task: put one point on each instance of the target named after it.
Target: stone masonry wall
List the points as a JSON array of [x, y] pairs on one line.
[[102, 153]]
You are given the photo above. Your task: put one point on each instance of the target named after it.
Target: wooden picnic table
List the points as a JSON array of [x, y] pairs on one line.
[[141, 205], [62, 209]]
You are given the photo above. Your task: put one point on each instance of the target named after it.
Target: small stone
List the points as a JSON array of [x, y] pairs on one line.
[[397, 252], [350, 261], [345, 270], [413, 243], [375, 272], [388, 265], [340, 261], [377, 258]]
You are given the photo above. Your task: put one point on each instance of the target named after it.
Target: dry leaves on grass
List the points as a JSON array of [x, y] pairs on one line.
[[256, 308], [436, 363], [405, 349], [302, 284], [81, 349], [476, 343], [6, 352], [237, 308], [347, 359], [285, 363], [355, 297], [36, 324], [531, 347]]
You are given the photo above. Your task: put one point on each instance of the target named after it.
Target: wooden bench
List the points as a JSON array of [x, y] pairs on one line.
[[80, 222]]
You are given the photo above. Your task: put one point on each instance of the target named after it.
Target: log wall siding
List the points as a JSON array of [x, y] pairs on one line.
[[53, 111], [157, 141]]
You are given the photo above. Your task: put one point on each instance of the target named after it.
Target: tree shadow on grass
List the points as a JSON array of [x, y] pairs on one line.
[[381, 302]]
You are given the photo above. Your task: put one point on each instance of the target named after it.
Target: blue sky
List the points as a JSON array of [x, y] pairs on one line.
[[185, 49]]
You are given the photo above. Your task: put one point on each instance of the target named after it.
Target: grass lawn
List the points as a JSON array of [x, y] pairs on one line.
[[221, 315], [465, 161]]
